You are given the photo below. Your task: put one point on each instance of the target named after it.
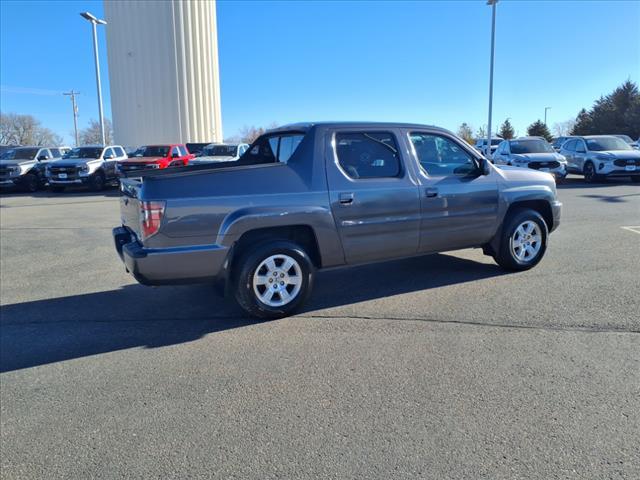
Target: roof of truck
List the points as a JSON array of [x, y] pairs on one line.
[[304, 126]]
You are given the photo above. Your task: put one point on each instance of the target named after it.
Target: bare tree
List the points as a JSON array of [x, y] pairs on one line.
[[249, 134], [16, 129], [562, 129], [92, 135]]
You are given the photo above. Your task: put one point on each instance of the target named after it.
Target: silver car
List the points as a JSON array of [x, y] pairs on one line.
[[531, 152], [601, 156]]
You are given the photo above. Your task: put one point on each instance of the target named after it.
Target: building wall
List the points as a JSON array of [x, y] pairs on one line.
[[163, 71]]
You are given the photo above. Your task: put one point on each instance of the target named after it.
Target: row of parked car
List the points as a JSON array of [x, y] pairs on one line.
[[596, 157], [96, 166]]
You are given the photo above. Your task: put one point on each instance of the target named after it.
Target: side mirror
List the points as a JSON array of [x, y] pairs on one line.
[[175, 155], [42, 157], [108, 157]]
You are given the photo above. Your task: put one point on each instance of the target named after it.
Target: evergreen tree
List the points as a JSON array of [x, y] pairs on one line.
[[539, 129], [466, 133], [506, 130]]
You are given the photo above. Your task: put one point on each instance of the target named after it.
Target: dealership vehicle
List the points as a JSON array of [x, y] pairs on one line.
[[601, 156], [628, 140], [92, 165], [557, 142], [24, 167], [309, 196], [531, 152], [157, 157], [220, 152], [481, 145], [196, 148]]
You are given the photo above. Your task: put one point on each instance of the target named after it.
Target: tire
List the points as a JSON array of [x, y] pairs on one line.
[[252, 269], [512, 257], [589, 172], [31, 183], [57, 189], [97, 182]]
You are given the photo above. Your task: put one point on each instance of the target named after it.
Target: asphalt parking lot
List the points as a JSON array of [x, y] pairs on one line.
[[437, 367]]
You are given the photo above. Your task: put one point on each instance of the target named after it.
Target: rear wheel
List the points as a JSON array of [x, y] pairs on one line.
[[273, 280], [523, 242]]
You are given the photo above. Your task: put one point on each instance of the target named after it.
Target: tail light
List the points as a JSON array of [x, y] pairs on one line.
[[151, 217]]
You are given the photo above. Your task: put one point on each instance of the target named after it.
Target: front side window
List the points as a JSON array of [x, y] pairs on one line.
[[368, 154], [440, 156], [55, 152]]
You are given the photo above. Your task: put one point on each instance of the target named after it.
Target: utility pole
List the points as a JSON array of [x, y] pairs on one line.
[[94, 22], [545, 114], [492, 3], [73, 94]]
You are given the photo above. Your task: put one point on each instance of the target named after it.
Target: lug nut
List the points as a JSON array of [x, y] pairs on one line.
[[282, 275], [281, 283]]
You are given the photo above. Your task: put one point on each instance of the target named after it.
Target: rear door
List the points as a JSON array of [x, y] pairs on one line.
[[580, 155], [459, 207], [374, 197]]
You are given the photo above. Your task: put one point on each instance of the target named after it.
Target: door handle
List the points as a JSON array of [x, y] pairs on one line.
[[346, 198], [431, 192]]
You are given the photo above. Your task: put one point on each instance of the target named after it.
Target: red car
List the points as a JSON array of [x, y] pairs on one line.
[[156, 156]]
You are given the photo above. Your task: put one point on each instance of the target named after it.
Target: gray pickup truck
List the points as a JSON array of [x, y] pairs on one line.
[[311, 196]]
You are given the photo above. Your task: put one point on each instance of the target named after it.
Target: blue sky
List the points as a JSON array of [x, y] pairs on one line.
[[291, 61]]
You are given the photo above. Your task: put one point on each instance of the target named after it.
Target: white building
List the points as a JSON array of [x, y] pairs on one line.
[[163, 71]]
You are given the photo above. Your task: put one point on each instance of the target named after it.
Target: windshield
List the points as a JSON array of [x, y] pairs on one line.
[[530, 146], [20, 154], [220, 151], [602, 144], [152, 151], [625, 138], [84, 152]]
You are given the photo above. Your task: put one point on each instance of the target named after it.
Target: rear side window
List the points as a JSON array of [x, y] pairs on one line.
[[368, 154], [570, 145], [119, 151]]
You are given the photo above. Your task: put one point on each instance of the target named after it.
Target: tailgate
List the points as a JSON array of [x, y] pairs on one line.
[[130, 204]]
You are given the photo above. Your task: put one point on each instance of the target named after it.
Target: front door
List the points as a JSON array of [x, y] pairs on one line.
[[374, 199], [459, 206]]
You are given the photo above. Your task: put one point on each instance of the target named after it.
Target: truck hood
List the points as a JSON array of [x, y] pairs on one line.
[[540, 157], [143, 160], [620, 154], [518, 176], [13, 163], [73, 162]]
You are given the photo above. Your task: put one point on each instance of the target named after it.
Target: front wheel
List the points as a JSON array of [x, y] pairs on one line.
[[523, 242], [589, 173], [97, 182], [273, 280], [31, 183]]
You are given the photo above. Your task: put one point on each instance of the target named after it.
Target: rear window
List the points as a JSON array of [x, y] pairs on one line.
[[368, 154], [273, 148]]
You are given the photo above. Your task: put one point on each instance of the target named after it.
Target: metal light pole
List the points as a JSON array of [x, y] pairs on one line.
[[493, 40], [545, 114], [73, 94], [96, 21]]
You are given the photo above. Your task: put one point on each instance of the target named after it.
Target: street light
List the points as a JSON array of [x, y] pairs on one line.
[[545, 114], [96, 21], [493, 40]]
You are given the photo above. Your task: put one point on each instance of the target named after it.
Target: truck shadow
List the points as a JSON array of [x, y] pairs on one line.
[[53, 330], [73, 192]]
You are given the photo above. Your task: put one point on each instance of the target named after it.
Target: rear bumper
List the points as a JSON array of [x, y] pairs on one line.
[[167, 266], [556, 211]]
